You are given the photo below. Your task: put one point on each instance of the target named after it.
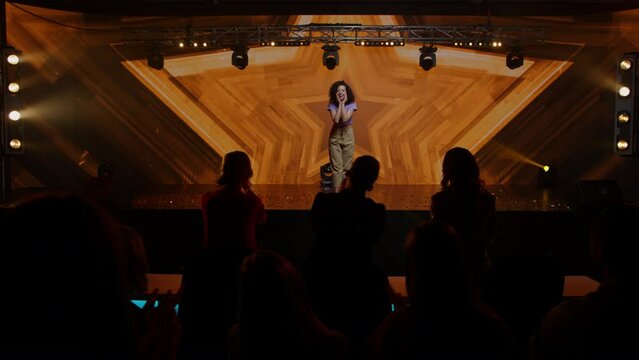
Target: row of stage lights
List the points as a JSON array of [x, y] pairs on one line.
[[375, 43], [494, 44], [625, 106], [12, 104], [330, 58]]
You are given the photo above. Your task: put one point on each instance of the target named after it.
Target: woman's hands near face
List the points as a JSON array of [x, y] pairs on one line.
[[341, 94]]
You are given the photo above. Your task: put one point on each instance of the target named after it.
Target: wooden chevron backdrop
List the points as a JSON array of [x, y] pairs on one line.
[[275, 109]]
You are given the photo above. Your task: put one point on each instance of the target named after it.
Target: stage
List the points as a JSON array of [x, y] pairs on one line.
[[394, 197], [531, 222]]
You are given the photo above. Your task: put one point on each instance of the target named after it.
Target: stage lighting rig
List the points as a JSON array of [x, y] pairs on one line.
[[515, 57], [239, 58], [428, 58], [330, 58], [155, 58], [626, 136], [12, 122], [360, 35], [472, 36]]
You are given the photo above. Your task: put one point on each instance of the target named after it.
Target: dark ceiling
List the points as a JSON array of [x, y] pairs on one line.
[[298, 7]]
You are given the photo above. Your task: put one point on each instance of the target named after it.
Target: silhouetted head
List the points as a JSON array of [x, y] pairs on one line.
[[333, 91], [271, 290], [63, 259], [460, 170], [363, 173], [236, 170], [274, 313], [133, 260], [614, 240], [437, 272]]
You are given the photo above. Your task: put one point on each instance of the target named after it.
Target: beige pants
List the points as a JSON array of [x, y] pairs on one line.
[[341, 146]]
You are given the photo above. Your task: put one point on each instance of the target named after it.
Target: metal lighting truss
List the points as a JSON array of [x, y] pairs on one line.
[[301, 35]]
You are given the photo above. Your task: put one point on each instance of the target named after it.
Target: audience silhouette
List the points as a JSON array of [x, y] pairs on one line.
[[601, 325], [72, 269], [347, 290], [467, 207], [66, 298], [209, 301], [444, 318], [232, 211], [275, 317], [155, 330], [211, 275]]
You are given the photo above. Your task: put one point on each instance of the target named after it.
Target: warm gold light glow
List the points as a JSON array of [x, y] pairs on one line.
[[625, 64], [624, 91], [13, 59], [546, 168], [622, 145], [623, 117], [181, 44], [15, 144], [14, 115], [212, 118], [14, 87]]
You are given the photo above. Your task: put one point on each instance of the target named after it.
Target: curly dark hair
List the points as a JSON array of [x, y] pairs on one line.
[[333, 90]]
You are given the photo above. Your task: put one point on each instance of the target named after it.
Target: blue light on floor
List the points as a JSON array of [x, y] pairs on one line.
[[141, 303]]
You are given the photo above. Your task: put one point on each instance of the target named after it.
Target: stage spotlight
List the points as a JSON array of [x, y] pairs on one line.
[[428, 58], [624, 91], [330, 59], [625, 64], [13, 59], [547, 176], [155, 59], [15, 144], [14, 115], [239, 58], [622, 145], [326, 174], [623, 117], [13, 87], [515, 57]]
